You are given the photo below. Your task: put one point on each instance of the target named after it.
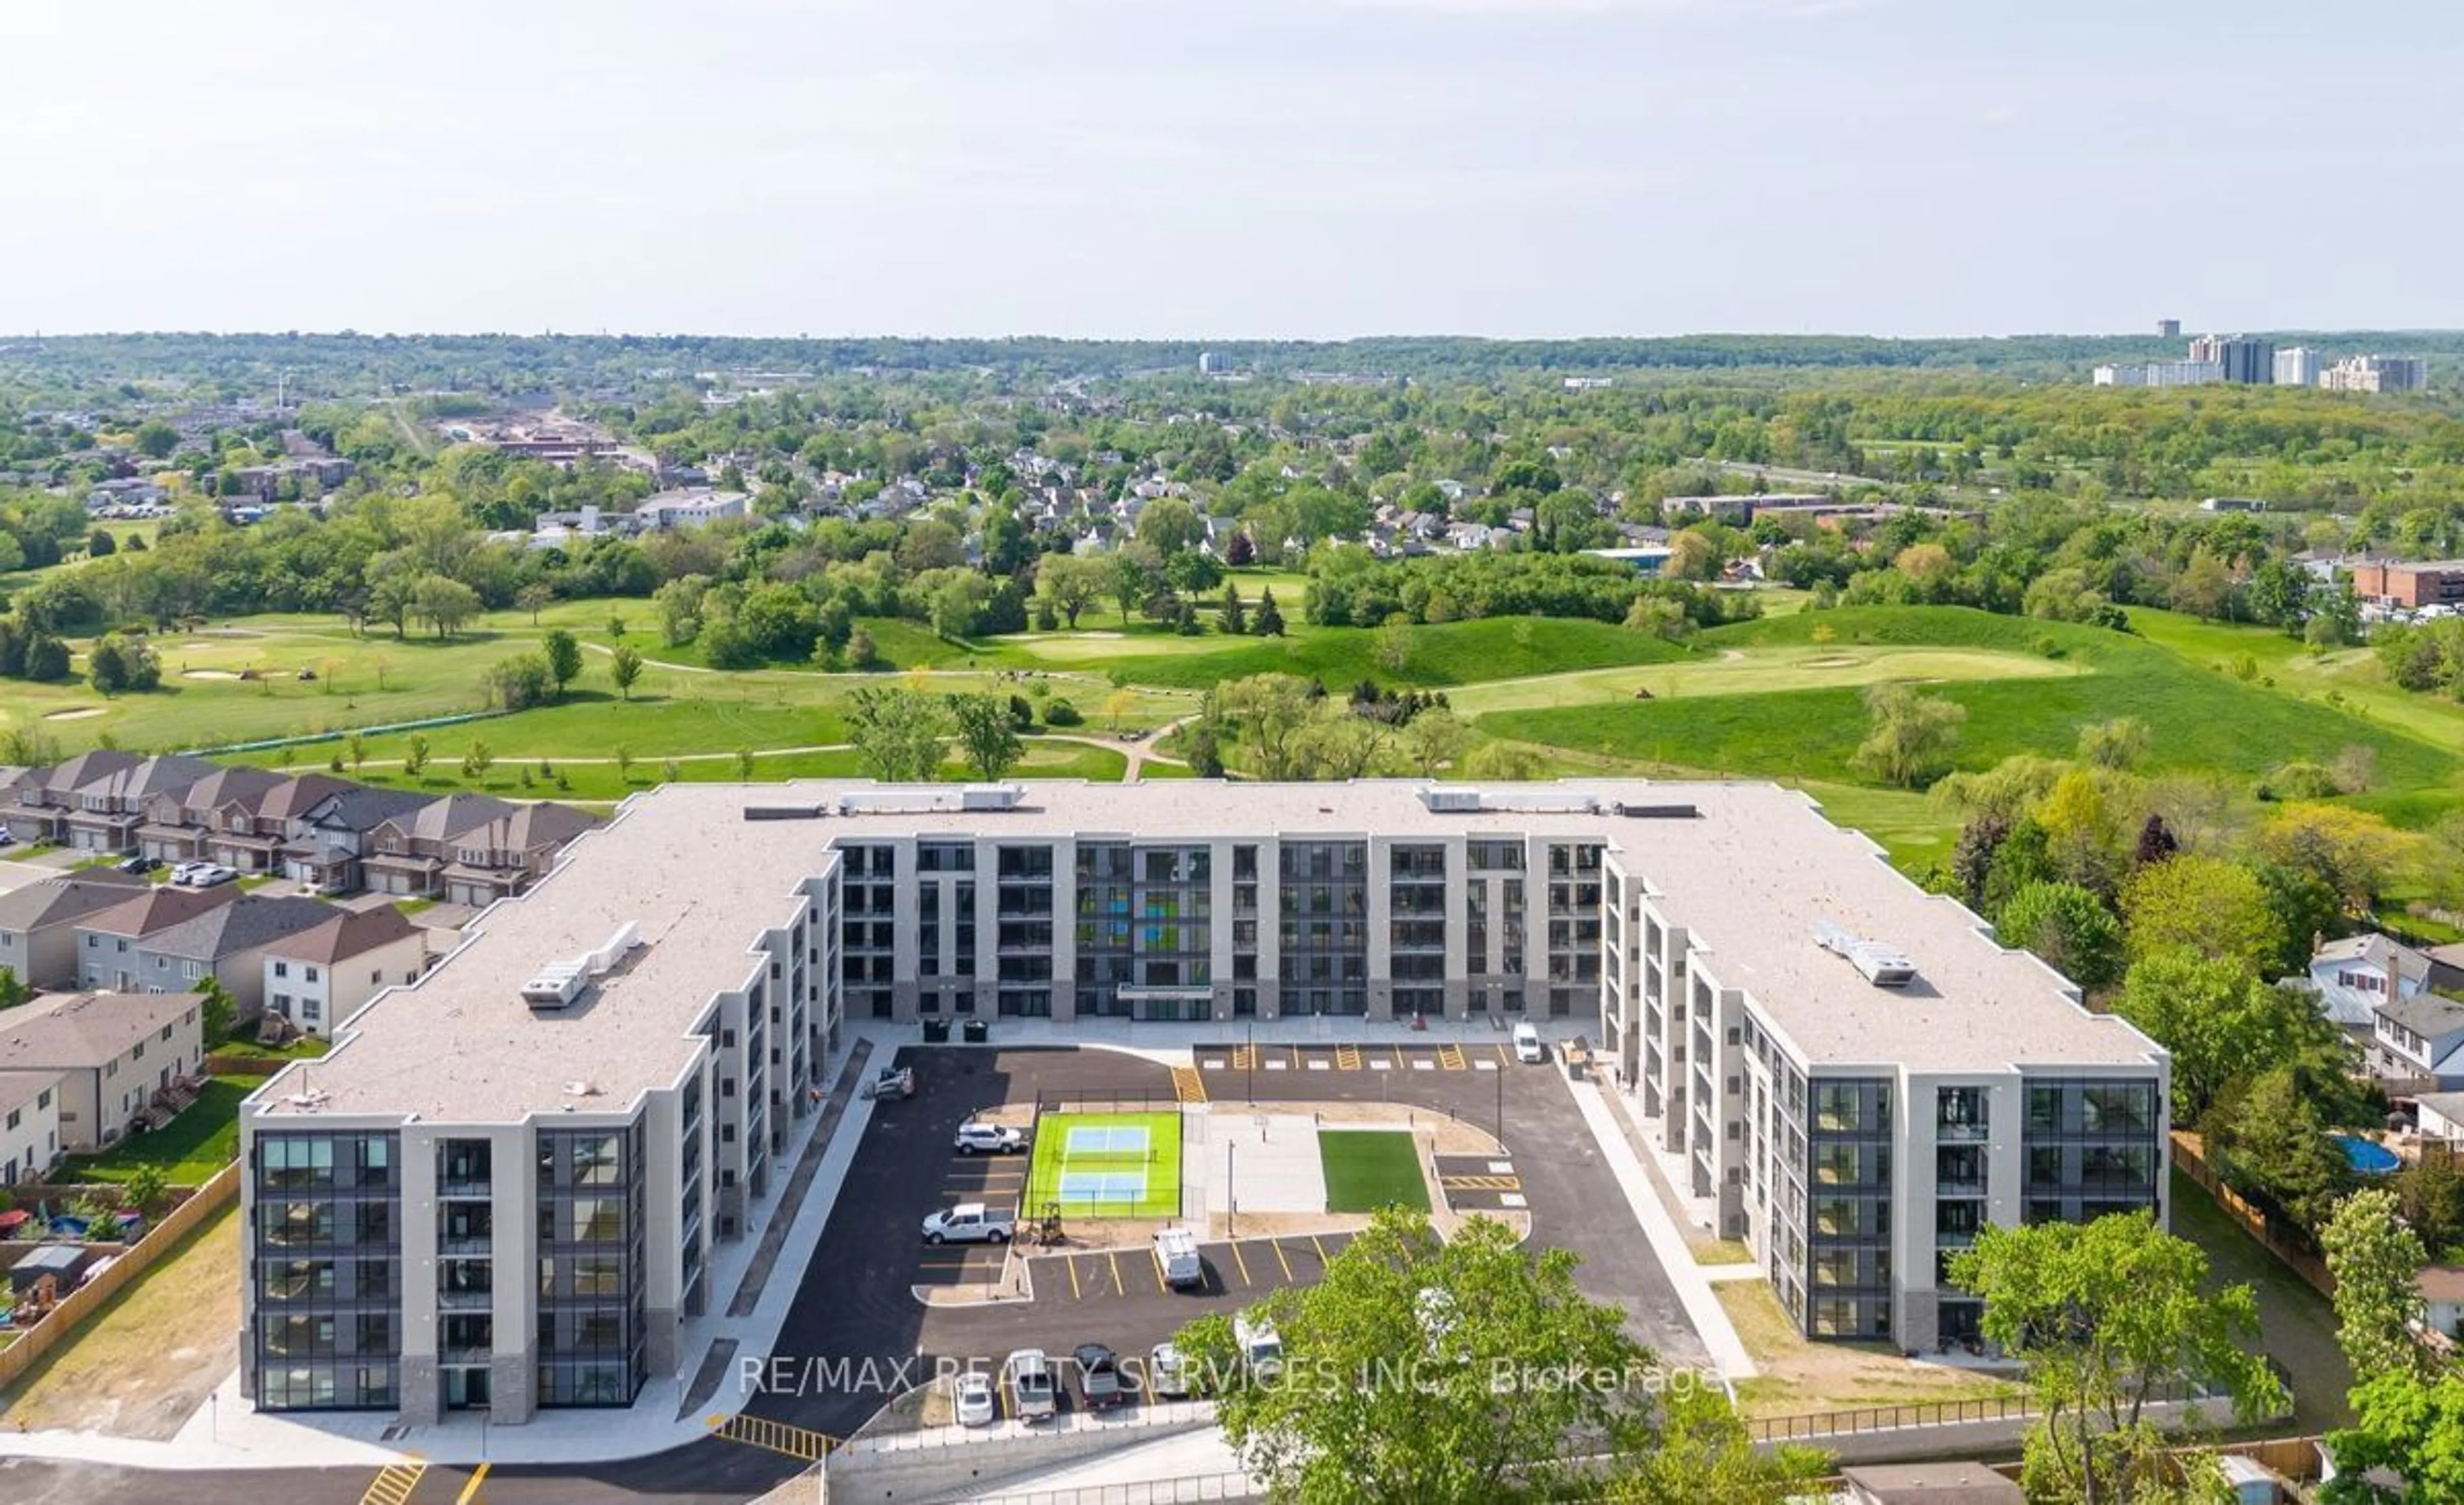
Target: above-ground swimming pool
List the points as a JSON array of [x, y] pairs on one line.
[[2367, 1157]]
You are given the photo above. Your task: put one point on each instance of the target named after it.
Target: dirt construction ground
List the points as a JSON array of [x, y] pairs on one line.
[[148, 1361]]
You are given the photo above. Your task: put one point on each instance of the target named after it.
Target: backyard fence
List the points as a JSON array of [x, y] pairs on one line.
[[2295, 1254], [61, 1322], [1857, 1421]]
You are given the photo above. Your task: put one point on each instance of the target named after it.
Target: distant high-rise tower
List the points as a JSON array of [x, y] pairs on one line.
[[2169, 329], [2298, 366], [2377, 374], [2239, 356], [1213, 362]]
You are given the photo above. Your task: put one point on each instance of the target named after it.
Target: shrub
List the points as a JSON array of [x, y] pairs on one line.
[[1061, 714]]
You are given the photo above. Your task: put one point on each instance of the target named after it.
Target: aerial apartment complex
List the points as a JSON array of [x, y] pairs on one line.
[[505, 1185]]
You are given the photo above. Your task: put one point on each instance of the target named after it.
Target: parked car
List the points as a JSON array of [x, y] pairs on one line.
[[182, 872], [970, 1223], [7, 837], [976, 1404], [1100, 1385], [1261, 1347], [1027, 1376], [1528, 1048], [139, 863], [1175, 1251], [1169, 1376], [203, 875], [989, 1139], [891, 1082]]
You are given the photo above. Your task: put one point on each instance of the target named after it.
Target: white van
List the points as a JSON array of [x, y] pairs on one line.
[[1176, 1253], [1261, 1347], [1026, 1375], [1528, 1048]]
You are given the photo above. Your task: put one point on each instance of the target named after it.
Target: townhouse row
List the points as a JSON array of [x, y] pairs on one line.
[[325, 833], [81, 1071], [505, 1185]]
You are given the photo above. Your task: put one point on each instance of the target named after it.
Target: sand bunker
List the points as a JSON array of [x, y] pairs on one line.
[[207, 674], [77, 713], [1836, 661]]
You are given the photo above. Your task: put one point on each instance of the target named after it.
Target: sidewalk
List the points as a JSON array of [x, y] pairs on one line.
[[227, 1432]]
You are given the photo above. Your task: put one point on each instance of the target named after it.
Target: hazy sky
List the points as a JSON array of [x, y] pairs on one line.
[[1231, 167]]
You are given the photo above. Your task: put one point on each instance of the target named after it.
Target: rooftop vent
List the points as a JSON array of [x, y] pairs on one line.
[[931, 799], [1541, 800], [784, 812], [559, 983], [308, 1101], [1658, 812], [1877, 962], [579, 1088]]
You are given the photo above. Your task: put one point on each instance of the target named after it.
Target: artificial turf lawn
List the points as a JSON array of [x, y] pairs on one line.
[[1367, 1169], [1160, 1162]]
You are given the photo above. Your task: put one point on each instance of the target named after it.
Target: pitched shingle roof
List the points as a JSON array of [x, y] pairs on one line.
[[347, 934], [297, 797], [361, 808], [84, 1029], [158, 910], [77, 771], [2428, 1014], [156, 775], [245, 787], [245, 924], [55, 900]]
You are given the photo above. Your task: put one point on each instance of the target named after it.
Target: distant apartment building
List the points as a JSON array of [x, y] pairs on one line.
[[507, 1183], [2378, 374], [1214, 363], [2169, 329], [2432, 582], [2160, 373], [2237, 358], [2298, 366]]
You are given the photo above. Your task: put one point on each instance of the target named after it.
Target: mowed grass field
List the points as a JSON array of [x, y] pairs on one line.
[[1151, 1157], [1367, 1169], [2201, 717]]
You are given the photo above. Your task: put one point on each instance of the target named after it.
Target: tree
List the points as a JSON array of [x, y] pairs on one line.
[[1232, 619], [1240, 551], [624, 763], [1417, 1372], [13, 993], [47, 659], [624, 667], [2070, 927], [2105, 1316], [1071, 583], [2083, 837], [1391, 645], [415, 756], [217, 1014], [1129, 575], [155, 439], [101, 545], [2411, 1426], [1169, 525], [2430, 1193], [986, 734], [564, 658], [1271, 711], [744, 765], [1269, 620], [1434, 739], [477, 759], [2351, 851], [533, 597], [2115, 744], [444, 603], [103, 668], [2206, 906], [2377, 1262], [896, 732], [1909, 736], [2205, 588], [520, 681], [146, 1188], [2272, 1145], [2225, 1026], [959, 604]]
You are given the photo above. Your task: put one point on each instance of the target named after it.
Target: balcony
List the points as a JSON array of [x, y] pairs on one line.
[[466, 1300], [1949, 1133]]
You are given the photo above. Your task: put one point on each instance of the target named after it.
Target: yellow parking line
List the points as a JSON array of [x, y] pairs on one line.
[[1113, 1257], [471, 1491], [1503, 1058], [1243, 1261], [1075, 1293], [1157, 1260], [1318, 1245], [1278, 1245], [1399, 1058]]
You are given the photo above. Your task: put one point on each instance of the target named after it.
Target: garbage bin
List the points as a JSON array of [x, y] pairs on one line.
[[937, 1031], [977, 1031]]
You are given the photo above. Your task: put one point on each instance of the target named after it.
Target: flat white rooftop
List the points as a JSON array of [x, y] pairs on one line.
[[1751, 872]]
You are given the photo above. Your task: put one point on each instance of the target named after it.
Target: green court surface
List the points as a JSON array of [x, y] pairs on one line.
[[1367, 1169], [1105, 1165]]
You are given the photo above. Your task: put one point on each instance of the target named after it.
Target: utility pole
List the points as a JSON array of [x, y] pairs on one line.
[[1231, 1203]]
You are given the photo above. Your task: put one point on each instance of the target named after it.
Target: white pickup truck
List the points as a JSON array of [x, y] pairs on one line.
[[891, 1082], [970, 1223]]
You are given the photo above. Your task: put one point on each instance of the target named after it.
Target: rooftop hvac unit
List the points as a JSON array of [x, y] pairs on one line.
[[1884, 965], [784, 812], [559, 983]]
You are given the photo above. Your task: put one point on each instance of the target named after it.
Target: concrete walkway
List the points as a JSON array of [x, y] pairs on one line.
[[1693, 1286]]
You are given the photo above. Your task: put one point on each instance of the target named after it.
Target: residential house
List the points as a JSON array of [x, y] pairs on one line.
[[105, 812], [469, 848], [35, 807], [2419, 1040], [121, 1058], [2441, 1287], [2441, 1115], [2355, 975], [179, 823], [227, 943], [29, 1125], [319, 977], [329, 838], [38, 922], [108, 939]]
